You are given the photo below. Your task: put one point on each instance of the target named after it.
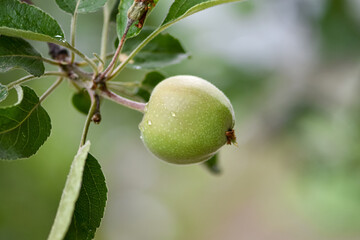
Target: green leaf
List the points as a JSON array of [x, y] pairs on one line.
[[24, 127], [90, 205], [3, 92], [16, 52], [70, 195], [27, 21], [212, 165], [83, 200], [162, 51], [85, 6], [147, 85], [121, 19], [81, 101], [183, 8], [178, 10]]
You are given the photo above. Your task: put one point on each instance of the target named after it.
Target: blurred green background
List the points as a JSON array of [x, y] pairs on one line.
[[291, 69]]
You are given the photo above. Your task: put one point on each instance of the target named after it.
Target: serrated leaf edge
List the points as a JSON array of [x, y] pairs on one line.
[[55, 234]]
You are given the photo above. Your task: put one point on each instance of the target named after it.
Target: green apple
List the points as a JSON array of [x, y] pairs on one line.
[[187, 120]]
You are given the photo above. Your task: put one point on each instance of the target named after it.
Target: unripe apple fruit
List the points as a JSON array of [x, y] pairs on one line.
[[187, 120]]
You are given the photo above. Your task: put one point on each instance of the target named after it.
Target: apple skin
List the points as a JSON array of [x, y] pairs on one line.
[[186, 120]]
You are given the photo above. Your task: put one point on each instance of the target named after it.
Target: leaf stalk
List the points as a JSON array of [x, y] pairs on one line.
[[88, 120], [31, 77], [73, 29], [109, 68], [104, 36], [51, 89], [134, 52]]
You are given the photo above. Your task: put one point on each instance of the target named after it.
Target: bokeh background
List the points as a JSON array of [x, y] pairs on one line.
[[291, 69]]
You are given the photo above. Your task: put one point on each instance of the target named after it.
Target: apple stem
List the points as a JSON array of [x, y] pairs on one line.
[[139, 106]]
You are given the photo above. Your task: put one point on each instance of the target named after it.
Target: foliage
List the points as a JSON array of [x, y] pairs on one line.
[[32, 23], [162, 51], [25, 126], [15, 52]]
